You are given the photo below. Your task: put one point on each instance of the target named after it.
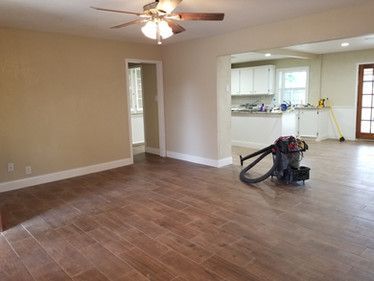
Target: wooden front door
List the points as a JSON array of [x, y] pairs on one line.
[[365, 103]]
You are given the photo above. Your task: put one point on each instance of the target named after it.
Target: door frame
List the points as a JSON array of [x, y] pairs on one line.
[[160, 103], [358, 133]]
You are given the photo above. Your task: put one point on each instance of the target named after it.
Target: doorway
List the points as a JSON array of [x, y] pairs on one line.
[[146, 108], [137, 117], [365, 102]]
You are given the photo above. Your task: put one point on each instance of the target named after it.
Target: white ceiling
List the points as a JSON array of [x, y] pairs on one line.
[[75, 16], [248, 57], [334, 46], [310, 50]]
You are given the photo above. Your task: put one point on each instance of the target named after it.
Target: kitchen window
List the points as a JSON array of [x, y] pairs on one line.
[[136, 89], [292, 85]]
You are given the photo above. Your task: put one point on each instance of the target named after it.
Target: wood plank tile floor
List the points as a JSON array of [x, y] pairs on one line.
[[163, 219]]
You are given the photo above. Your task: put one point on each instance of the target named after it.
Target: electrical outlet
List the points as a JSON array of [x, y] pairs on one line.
[[28, 170], [10, 167]]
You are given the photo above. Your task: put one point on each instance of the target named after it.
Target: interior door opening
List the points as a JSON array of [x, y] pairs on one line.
[[365, 102], [136, 102], [146, 112]]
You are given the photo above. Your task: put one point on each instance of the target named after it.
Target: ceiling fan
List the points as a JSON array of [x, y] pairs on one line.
[[159, 20]]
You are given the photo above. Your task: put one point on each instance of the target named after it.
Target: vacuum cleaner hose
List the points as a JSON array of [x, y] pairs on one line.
[[263, 152]]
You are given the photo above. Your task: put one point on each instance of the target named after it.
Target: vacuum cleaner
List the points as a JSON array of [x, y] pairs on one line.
[[287, 154]]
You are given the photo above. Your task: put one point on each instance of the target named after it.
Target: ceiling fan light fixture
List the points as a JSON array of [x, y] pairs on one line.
[[151, 28], [158, 19], [165, 29]]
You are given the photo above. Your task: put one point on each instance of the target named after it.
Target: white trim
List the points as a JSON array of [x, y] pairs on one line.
[[161, 113], [200, 160], [160, 102], [129, 114], [152, 150], [26, 182], [224, 162]]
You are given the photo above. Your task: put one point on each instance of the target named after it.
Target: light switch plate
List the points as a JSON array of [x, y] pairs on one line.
[[10, 167], [28, 170]]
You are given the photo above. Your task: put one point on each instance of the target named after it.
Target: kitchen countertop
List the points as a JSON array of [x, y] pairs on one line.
[[247, 112], [311, 108]]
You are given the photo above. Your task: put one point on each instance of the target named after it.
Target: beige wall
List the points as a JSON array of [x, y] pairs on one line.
[[63, 101], [150, 106], [191, 74], [223, 99], [62, 98], [339, 76]]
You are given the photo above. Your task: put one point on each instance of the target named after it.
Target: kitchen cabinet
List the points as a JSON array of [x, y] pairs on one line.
[[258, 130], [263, 80], [308, 120], [313, 123], [257, 80], [246, 81], [235, 81]]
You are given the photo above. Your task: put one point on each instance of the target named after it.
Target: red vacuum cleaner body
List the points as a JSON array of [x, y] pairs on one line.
[[287, 154]]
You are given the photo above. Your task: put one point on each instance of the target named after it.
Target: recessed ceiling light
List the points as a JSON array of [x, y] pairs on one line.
[[268, 55], [345, 44]]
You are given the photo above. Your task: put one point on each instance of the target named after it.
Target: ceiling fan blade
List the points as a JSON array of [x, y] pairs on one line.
[[128, 23], [150, 6], [201, 16], [116, 11], [168, 5], [175, 27]]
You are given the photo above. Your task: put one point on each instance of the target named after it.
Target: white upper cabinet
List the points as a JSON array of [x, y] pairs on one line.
[[235, 81], [257, 80], [263, 80], [246, 81]]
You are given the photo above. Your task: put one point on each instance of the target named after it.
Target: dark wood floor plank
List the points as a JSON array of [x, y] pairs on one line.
[[110, 240], [11, 267], [90, 275], [150, 246], [16, 233], [107, 263], [188, 269], [75, 236], [37, 261], [63, 253], [148, 227], [185, 247], [164, 219], [147, 266], [228, 270]]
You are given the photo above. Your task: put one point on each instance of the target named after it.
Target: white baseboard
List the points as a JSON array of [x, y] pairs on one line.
[[248, 144], [200, 160], [26, 182], [224, 162], [152, 150]]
